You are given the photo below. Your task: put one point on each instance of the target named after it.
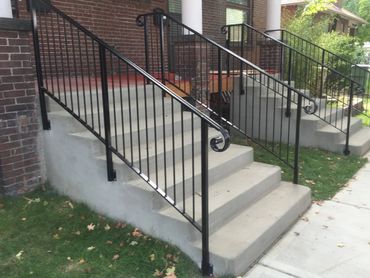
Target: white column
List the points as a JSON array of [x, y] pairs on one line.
[[192, 14], [5, 9], [273, 15]]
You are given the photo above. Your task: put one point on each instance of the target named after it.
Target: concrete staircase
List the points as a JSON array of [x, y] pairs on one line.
[[315, 131], [249, 206]]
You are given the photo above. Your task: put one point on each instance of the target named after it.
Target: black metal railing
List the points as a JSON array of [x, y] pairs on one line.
[[358, 74], [337, 95], [235, 92], [137, 118]]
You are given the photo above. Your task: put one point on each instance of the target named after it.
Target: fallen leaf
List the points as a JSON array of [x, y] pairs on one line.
[[157, 273], [60, 228], [170, 272], [115, 257], [81, 261], [133, 243], [69, 259], [91, 227], [121, 244], [120, 225], [77, 233], [109, 242], [90, 248], [69, 203], [107, 227], [152, 257], [56, 236], [137, 233], [19, 255], [340, 245], [305, 219], [24, 219]]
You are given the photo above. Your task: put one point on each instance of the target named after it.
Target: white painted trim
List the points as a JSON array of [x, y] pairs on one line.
[[6, 9], [192, 14]]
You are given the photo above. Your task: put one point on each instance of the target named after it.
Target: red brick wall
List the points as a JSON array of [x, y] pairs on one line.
[[112, 20], [20, 169]]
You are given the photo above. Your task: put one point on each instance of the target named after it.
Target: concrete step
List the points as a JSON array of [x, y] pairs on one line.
[[229, 196], [95, 97], [241, 241], [180, 177], [359, 142], [131, 135], [332, 135], [155, 150]]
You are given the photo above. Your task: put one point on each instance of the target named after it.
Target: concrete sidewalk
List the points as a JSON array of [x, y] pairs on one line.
[[331, 240]]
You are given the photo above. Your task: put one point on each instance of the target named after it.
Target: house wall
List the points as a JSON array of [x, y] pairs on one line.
[[20, 159], [112, 20]]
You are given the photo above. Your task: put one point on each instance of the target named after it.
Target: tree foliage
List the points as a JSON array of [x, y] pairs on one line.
[[316, 6]]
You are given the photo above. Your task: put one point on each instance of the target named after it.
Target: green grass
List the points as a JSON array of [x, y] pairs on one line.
[[50, 236], [324, 172]]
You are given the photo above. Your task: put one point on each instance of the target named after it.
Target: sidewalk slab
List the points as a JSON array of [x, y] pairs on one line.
[[331, 240]]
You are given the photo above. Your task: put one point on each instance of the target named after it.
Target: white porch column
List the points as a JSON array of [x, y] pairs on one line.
[[273, 15], [192, 14], [6, 9]]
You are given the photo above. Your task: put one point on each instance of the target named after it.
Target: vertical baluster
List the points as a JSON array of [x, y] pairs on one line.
[[207, 268], [108, 140], [297, 138], [40, 80]]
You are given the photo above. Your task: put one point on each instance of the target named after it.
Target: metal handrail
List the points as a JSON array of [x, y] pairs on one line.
[[193, 109], [140, 22], [224, 31], [317, 46]]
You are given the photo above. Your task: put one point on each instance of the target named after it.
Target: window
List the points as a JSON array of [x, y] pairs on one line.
[[235, 16]]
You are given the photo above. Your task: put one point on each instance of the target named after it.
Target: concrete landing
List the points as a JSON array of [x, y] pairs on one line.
[[331, 240]]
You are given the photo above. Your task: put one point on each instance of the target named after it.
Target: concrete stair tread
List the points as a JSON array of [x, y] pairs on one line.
[[244, 238], [341, 124], [359, 138], [159, 144], [142, 122], [216, 160], [245, 184], [125, 108]]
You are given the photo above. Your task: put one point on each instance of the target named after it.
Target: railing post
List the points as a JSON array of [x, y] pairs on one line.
[[282, 57], [228, 47], [146, 46], [219, 81], [105, 97], [207, 268], [346, 148], [289, 97], [161, 43], [297, 139], [40, 80], [322, 73], [241, 81]]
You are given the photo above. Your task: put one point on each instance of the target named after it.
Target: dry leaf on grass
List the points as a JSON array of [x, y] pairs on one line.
[[19, 255], [136, 233], [115, 257], [91, 227]]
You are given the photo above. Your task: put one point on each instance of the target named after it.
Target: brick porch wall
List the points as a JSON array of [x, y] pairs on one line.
[[112, 20], [20, 161]]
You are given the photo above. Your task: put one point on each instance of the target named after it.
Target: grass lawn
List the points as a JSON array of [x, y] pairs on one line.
[[324, 172], [46, 235]]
